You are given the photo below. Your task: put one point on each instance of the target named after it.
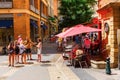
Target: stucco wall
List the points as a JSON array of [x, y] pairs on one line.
[[111, 15]]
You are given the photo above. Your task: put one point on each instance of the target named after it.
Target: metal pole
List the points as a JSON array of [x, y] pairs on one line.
[[40, 23]]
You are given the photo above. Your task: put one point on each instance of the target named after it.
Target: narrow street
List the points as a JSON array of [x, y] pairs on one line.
[[94, 25], [52, 67]]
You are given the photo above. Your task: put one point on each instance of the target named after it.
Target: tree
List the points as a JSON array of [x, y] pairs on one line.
[[75, 12]]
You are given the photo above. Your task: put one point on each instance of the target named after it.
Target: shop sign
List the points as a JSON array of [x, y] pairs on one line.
[[106, 27]]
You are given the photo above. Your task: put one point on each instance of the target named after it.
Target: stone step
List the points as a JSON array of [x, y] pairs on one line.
[[98, 64]]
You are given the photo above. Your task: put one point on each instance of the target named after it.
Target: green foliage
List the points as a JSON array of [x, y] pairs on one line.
[[75, 11]]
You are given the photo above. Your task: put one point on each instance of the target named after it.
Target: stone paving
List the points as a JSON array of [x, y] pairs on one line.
[[95, 74], [52, 68]]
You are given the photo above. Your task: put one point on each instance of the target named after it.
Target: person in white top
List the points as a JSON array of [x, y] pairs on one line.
[[39, 49]]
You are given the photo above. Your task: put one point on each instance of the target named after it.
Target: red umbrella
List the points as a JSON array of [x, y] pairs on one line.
[[78, 29]]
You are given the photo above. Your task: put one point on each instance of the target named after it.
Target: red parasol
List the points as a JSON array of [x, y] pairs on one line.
[[78, 29]]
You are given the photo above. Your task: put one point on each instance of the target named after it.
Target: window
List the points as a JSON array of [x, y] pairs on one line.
[[31, 2], [5, 0], [41, 6]]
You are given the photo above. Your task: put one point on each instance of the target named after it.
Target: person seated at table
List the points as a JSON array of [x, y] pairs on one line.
[[81, 55], [73, 52], [79, 52]]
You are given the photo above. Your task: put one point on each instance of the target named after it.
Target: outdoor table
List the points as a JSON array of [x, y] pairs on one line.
[[68, 50], [69, 46]]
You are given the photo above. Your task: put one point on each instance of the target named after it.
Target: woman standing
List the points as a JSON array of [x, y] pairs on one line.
[[39, 49], [17, 51], [22, 52], [28, 47], [11, 54]]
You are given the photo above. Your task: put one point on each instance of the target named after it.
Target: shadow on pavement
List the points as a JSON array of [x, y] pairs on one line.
[[45, 61], [19, 66], [45, 65]]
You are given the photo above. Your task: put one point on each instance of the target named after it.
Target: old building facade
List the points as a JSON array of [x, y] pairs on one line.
[[25, 18], [109, 16]]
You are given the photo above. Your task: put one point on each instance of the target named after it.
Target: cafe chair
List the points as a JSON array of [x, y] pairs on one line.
[[81, 60]]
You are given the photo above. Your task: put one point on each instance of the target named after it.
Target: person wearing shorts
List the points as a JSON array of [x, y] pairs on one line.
[[11, 53], [28, 47], [22, 52], [17, 51]]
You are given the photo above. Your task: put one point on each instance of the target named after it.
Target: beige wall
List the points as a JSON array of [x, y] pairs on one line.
[[102, 3]]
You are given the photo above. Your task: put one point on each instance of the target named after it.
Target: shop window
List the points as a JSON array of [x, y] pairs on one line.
[[31, 2]]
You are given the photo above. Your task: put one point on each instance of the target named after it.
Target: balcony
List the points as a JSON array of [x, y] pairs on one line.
[[5, 4]]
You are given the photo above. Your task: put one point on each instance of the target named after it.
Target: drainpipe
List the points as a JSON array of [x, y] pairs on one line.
[[40, 22]]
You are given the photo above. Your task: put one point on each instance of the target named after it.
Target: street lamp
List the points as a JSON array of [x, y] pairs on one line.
[[41, 24]]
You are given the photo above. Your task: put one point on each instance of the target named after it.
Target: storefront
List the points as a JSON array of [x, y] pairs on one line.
[[109, 15], [6, 31], [44, 30], [33, 30]]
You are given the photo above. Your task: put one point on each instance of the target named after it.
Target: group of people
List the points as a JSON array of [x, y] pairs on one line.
[[19, 51], [85, 45], [89, 42]]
